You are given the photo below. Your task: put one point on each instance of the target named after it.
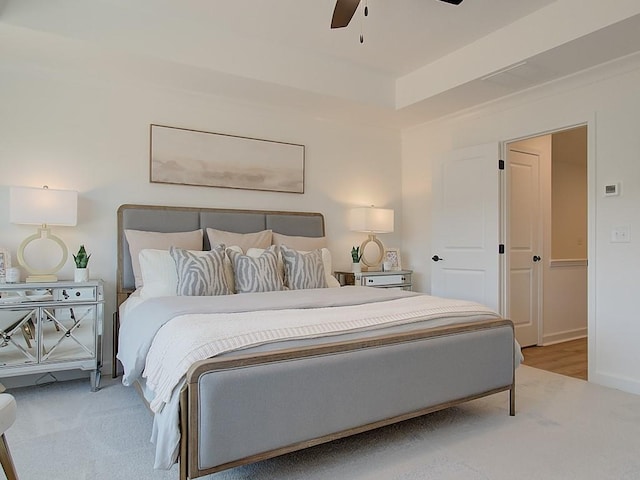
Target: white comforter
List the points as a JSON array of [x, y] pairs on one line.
[[161, 338]]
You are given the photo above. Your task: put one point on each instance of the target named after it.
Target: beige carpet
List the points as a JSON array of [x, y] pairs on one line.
[[564, 429]]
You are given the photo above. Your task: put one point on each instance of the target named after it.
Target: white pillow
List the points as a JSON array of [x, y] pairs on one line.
[[299, 243], [159, 274], [139, 240], [243, 240], [326, 261]]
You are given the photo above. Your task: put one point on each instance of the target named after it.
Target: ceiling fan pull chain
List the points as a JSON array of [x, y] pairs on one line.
[[366, 14]]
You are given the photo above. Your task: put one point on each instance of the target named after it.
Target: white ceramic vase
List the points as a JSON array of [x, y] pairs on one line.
[[356, 268], [81, 275]]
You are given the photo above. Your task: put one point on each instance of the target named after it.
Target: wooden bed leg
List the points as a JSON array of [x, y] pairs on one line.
[[512, 399], [183, 459], [114, 345]]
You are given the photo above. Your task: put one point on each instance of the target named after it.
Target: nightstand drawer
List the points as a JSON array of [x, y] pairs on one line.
[[391, 279], [74, 294], [383, 280]]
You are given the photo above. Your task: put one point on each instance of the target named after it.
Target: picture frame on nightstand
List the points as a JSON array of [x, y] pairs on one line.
[[5, 263], [392, 256]]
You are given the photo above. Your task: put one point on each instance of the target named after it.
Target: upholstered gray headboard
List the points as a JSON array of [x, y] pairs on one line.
[[155, 218]]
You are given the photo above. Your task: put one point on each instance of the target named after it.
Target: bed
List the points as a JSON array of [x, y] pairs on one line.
[[374, 356]]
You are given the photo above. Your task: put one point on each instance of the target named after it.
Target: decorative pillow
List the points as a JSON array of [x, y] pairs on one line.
[[139, 240], [200, 274], [243, 240], [256, 274], [303, 270], [228, 269], [332, 281], [299, 243]]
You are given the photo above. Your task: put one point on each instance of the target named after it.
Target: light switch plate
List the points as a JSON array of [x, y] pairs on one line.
[[621, 234]]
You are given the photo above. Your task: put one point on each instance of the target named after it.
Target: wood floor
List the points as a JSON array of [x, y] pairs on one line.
[[567, 358]]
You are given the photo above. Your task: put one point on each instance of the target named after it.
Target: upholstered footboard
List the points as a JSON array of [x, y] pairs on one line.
[[246, 408]]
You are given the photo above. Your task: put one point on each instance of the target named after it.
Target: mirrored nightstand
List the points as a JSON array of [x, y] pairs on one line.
[[48, 327]]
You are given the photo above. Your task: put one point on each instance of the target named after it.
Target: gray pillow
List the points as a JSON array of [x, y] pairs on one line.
[[256, 274], [303, 270], [201, 274]]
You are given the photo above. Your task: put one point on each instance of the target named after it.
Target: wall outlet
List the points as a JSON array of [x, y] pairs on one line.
[[621, 234]]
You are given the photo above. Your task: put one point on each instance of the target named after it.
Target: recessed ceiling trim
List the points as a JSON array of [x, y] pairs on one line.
[[504, 70]]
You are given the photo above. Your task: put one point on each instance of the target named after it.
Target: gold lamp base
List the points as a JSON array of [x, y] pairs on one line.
[[46, 276], [41, 279], [367, 261]]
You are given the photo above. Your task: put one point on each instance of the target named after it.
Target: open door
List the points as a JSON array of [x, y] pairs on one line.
[[524, 244], [466, 225]]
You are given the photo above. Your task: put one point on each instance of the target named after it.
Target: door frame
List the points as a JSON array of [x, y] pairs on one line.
[[592, 192]]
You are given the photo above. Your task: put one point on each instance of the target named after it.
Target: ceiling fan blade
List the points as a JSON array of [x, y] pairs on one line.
[[343, 12], [453, 2]]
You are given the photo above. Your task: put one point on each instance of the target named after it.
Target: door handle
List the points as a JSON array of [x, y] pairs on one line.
[[436, 258], [536, 258]]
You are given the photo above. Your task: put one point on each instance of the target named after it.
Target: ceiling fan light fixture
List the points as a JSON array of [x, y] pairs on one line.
[[345, 9]]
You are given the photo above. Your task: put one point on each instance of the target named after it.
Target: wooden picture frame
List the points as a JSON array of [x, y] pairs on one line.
[[392, 255], [5, 263], [193, 157]]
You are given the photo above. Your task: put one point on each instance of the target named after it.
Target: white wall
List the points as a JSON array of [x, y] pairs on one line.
[[608, 99], [569, 194], [73, 129]]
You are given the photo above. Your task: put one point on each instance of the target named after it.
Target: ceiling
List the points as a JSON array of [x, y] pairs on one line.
[[420, 59]]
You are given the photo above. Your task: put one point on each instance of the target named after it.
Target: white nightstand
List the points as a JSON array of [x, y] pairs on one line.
[[391, 279], [47, 327]]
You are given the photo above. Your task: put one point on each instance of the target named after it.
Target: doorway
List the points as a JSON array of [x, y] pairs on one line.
[[546, 272]]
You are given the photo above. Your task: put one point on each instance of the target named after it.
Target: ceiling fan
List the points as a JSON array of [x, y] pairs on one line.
[[344, 10]]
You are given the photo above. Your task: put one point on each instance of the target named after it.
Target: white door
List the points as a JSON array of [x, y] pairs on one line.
[[466, 228], [524, 244]]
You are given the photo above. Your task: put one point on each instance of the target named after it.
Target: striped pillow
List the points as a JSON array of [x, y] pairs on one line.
[[303, 270], [201, 274], [256, 274]]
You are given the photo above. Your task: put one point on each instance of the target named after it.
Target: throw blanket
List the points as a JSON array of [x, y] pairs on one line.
[[140, 325], [189, 338]]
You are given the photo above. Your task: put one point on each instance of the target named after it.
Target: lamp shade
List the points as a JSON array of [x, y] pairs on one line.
[[43, 206], [372, 220]]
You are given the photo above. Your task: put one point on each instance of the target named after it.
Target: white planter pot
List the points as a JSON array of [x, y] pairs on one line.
[[356, 268], [81, 275]]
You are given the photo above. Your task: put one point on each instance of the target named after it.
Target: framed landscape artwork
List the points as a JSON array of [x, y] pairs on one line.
[[193, 157]]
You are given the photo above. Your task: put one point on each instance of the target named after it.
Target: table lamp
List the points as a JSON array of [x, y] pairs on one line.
[[44, 207], [372, 220]]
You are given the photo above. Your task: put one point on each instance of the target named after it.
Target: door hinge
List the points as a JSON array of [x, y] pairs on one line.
[[500, 164], [501, 248]]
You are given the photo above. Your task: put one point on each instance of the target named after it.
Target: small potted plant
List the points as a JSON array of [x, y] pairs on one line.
[[355, 259], [81, 259]]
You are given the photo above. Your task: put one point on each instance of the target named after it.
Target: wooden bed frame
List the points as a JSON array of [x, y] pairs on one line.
[[375, 381]]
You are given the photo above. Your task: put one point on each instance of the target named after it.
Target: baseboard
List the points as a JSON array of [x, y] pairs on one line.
[[620, 383], [564, 336]]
